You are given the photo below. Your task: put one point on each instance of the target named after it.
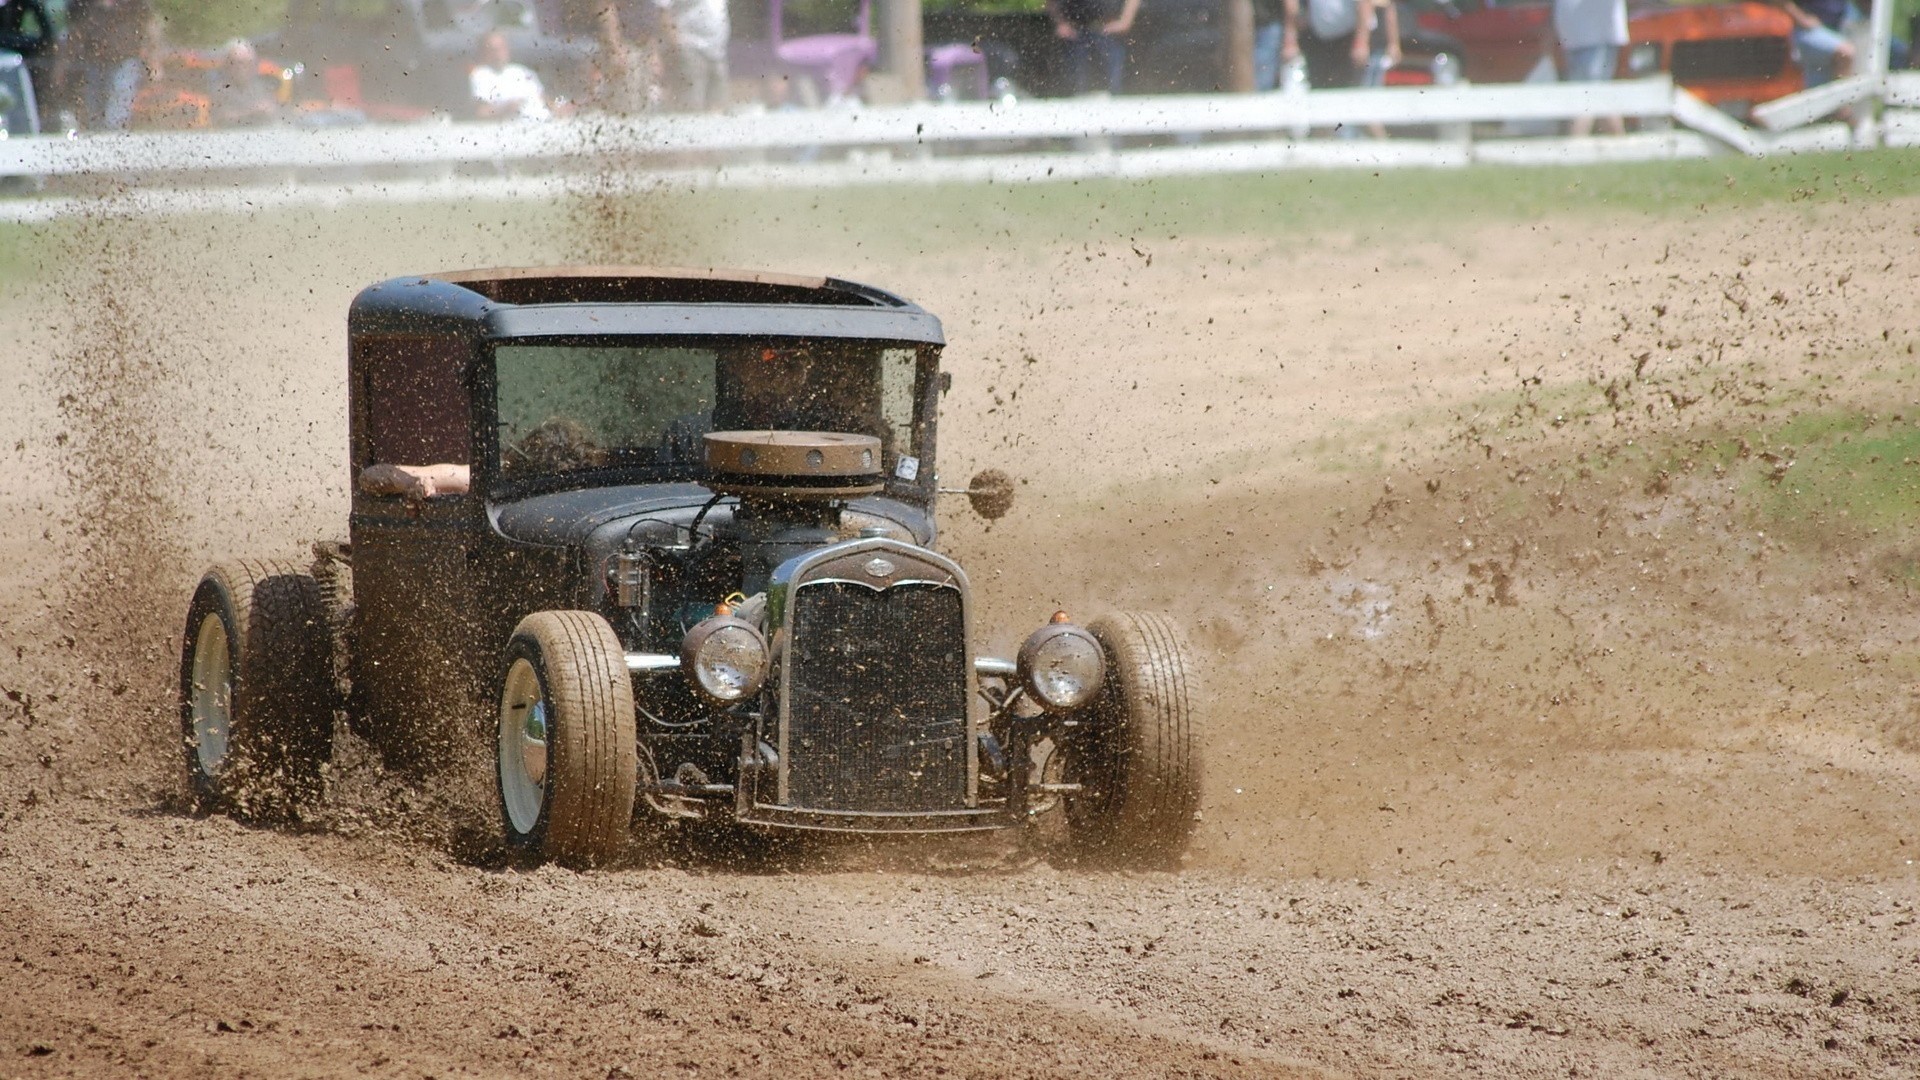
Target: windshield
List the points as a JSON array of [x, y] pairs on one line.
[[567, 408]]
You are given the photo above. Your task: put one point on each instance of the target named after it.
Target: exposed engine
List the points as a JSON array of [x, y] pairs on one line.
[[687, 588]]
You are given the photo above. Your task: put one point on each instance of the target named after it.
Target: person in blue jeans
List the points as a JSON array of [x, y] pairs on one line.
[[102, 53], [1272, 41], [1332, 37], [1591, 34], [1819, 40], [1094, 32]]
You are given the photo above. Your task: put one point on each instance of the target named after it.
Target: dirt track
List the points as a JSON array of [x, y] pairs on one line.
[[1529, 754]]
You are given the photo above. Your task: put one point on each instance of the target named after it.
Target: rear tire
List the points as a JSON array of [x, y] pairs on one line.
[[1134, 753], [256, 690], [565, 740]]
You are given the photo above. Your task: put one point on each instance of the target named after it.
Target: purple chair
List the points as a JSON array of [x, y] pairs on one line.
[[835, 62], [944, 62]]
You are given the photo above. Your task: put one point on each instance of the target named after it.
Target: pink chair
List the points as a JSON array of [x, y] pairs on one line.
[[835, 62], [946, 62], [341, 83]]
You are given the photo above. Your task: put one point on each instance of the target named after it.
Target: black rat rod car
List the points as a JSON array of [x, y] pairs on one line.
[[663, 541]]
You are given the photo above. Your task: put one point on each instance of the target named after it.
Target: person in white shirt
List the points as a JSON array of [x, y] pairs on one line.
[[1591, 33], [1333, 38], [698, 30], [502, 89]]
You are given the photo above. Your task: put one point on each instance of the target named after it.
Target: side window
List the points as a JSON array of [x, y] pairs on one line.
[[564, 407], [413, 397], [897, 370]]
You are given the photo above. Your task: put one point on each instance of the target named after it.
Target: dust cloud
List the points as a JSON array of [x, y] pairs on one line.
[[1552, 581]]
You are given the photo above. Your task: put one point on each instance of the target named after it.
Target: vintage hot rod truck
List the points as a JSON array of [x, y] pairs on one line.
[[661, 544]]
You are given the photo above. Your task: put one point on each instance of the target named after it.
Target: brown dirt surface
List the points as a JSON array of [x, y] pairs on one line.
[[1551, 580]]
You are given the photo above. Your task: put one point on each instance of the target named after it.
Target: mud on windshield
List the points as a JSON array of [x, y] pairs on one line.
[[564, 410]]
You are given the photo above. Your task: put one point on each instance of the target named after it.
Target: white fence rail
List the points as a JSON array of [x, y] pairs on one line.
[[1029, 140], [911, 125]]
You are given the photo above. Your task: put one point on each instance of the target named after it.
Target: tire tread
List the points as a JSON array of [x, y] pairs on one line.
[[283, 700], [1142, 758], [592, 764]]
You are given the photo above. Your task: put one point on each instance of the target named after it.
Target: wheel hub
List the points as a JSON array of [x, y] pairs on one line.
[[523, 747], [212, 700], [533, 743]]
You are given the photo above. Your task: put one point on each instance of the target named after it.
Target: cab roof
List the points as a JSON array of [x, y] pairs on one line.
[[568, 301]]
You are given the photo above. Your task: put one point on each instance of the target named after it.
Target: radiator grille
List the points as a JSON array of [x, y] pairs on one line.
[[1729, 58], [877, 698]]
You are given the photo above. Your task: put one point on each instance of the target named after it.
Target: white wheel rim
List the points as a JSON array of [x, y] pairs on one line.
[[212, 701], [524, 731]]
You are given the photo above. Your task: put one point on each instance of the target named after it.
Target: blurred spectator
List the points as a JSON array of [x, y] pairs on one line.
[[1334, 41], [1273, 41], [239, 98], [103, 50], [698, 31], [1094, 31], [1269, 26], [1383, 51], [1591, 33], [1819, 37], [502, 89], [626, 76], [1383, 42]]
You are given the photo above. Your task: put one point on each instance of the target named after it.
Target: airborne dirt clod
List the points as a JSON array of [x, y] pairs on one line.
[[1552, 583]]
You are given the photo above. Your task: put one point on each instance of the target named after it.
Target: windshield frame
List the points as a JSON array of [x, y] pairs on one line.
[[486, 415]]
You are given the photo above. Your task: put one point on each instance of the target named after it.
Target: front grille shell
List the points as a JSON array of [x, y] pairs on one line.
[[875, 707], [849, 771]]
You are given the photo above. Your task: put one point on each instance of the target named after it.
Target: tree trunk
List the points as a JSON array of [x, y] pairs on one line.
[[902, 52], [1240, 46]]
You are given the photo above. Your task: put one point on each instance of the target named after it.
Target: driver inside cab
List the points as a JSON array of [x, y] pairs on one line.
[[763, 388]]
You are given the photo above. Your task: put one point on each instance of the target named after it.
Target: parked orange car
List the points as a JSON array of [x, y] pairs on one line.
[[179, 90], [1732, 53]]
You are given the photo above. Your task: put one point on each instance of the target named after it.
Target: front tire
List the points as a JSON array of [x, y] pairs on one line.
[[1135, 753], [565, 739], [256, 689]]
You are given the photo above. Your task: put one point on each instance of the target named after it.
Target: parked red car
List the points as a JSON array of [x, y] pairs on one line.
[[1731, 53]]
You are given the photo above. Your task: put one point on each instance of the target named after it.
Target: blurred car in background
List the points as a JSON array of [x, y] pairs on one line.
[[183, 87], [1176, 46], [27, 29], [1730, 53], [1180, 46], [406, 59], [19, 114]]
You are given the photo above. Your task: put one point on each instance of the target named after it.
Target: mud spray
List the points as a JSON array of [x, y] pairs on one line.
[[1576, 673], [617, 216], [109, 648]]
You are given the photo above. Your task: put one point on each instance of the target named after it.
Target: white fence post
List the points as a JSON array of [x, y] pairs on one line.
[[1880, 60], [1871, 131]]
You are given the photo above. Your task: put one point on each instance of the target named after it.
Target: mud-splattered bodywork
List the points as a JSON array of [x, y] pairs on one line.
[[872, 719]]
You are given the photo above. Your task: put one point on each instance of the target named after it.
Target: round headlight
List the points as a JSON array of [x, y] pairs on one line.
[[1643, 59], [1062, 666], [726, 658]]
